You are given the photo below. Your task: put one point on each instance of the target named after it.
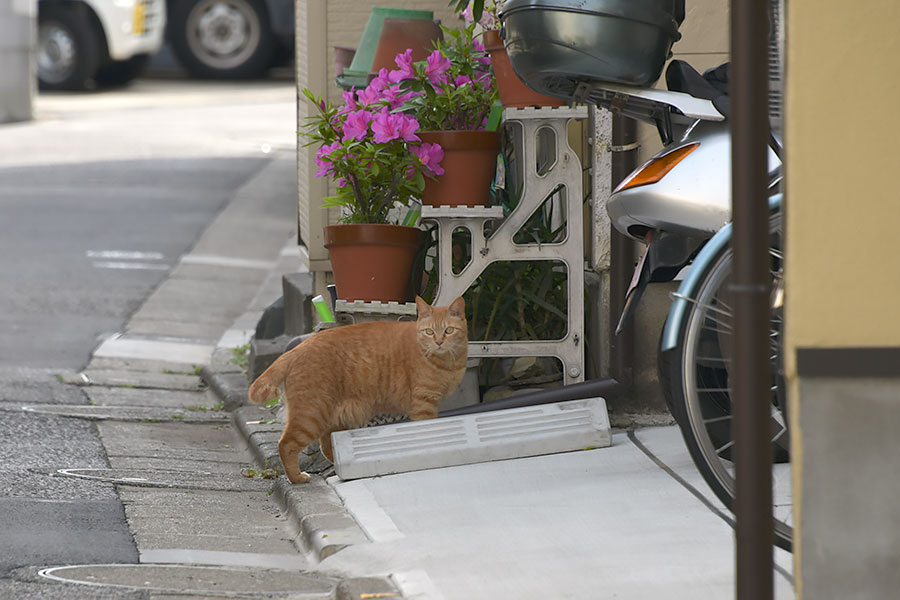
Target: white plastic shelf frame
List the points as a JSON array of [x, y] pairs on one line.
[[561, 173], [357, 311]]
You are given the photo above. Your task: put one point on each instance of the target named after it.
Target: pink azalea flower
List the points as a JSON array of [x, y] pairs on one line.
[[462, 80], [431, 156], [437, 65], [357, 125], [323, 154], [387, 126], [405, 68], [349, 105], [407, 128], [384, 128], [368, 96], [381, 81], [393, 96]]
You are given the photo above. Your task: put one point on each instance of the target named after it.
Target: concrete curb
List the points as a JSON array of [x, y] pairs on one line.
[[230, 388], [326, 527]]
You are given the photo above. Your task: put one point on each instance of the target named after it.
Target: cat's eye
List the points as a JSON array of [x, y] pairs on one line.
[[429, 331], [448, 330]]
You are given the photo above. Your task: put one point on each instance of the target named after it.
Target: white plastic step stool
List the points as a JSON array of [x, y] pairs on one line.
[[468, 439]]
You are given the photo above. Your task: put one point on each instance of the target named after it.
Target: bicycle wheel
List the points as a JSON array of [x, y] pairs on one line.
[[695, 374]]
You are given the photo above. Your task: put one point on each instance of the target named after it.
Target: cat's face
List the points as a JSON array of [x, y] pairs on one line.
[[442, 330]]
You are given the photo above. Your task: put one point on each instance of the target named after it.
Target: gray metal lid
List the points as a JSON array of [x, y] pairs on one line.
[[664, 14]]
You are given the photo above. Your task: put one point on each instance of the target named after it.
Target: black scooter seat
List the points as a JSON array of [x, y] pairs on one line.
[[712, 85]]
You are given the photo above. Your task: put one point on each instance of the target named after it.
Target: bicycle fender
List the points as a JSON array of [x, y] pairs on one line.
[[688, 287]]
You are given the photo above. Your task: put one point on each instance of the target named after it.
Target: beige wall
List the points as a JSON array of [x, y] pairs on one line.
[[843, 156], [842, 290]]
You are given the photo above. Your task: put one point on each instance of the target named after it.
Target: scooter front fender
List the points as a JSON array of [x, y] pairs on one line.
[[689, 286]]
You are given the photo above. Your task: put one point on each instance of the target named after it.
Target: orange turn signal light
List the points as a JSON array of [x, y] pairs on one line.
[[657, 168]]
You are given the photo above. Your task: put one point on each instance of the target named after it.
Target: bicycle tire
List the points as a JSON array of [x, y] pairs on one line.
[[694, 377]]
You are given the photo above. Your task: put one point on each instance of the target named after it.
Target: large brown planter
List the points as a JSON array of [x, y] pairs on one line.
[[399, 34], [513, 92], [470, 162], [372, 263]]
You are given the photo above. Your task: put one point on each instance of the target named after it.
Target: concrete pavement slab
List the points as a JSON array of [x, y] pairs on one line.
[[24, 385], [103, 396], [579, 525], [130, 413], [200, 580], [174, 440], [118, 377]]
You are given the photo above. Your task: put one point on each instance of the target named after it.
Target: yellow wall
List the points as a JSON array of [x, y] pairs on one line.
[[843, 157]]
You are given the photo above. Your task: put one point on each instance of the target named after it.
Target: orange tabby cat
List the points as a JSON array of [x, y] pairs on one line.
[[340, 378]]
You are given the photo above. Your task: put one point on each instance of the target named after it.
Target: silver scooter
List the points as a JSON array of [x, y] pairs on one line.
[[678, 203]]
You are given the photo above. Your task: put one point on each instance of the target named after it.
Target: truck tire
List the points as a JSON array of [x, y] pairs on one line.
[[222, 39], [121, 72], [69, 50]]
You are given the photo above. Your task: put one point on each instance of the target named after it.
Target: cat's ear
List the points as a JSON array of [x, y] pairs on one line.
[[423, 308], [458, 308]]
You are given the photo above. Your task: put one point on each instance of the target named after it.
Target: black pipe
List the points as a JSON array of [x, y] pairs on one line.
[[621, 251], [750, 375], [593, 388]]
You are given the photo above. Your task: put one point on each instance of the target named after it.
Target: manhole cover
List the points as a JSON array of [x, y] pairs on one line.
[[129, 413], [164, 478], [221, 581]]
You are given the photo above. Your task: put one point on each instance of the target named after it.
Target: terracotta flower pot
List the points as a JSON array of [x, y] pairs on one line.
[[343, 57], [372, 262], [470, 162], [399, 34], [513, 92]]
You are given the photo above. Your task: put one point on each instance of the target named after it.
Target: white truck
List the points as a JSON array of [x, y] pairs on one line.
[[85, 42]]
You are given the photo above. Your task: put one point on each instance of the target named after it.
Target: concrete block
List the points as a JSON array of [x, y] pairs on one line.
[[298, 292], [271, 323], [469, 439], [325, 534], [263, 353]]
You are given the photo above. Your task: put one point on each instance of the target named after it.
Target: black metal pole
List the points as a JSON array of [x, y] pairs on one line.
[[750, 288], [621, 251]]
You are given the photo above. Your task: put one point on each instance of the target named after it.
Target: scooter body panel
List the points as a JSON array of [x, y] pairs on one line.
[[693, 199]]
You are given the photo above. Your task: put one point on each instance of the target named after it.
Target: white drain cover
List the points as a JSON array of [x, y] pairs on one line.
[[451, 441]]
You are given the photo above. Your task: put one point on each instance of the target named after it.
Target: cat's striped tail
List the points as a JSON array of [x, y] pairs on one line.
[[267, 386]]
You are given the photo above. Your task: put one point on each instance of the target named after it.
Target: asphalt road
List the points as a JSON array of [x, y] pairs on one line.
[[99, 197]]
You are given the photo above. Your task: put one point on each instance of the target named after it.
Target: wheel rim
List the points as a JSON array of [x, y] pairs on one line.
[[223, 33], [706, 389], [57, 53]]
